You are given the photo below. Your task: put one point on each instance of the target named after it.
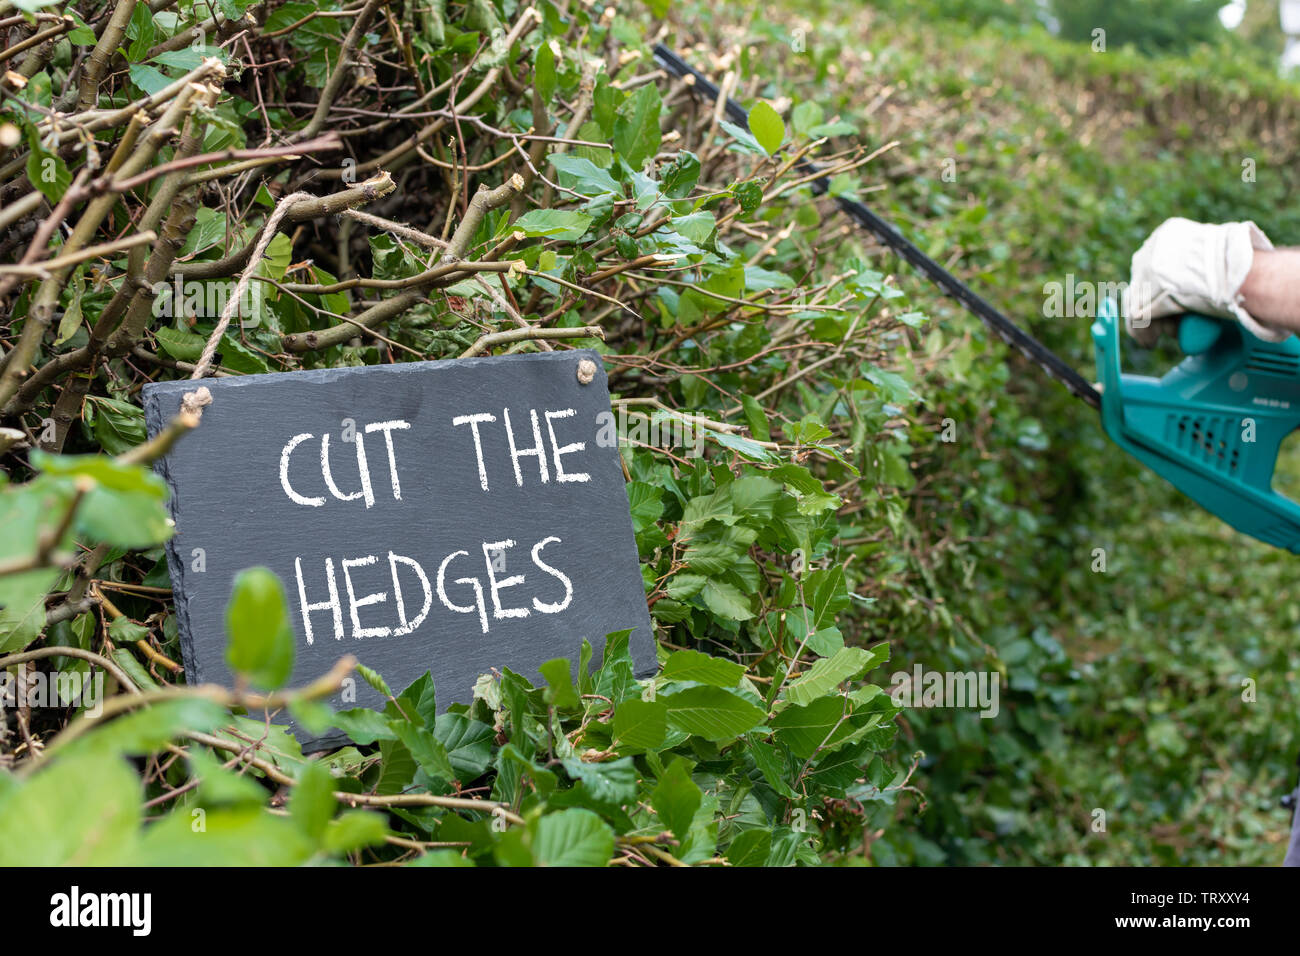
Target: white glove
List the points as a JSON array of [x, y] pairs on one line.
[[1187, 266]]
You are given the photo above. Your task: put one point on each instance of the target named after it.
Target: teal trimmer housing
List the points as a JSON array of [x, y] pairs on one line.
[[1213, 424]]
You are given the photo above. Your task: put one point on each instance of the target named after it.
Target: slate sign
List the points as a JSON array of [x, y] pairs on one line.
[[446, 516]]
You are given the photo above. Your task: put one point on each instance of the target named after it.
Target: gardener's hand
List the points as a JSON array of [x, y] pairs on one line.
[[1187, 266]]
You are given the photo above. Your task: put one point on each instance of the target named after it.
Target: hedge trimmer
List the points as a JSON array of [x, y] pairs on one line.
[[1211, 426]]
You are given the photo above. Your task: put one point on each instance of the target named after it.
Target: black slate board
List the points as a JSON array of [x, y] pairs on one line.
[[227, 498]]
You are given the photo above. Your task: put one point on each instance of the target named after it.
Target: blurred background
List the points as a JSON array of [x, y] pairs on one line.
[[1148, 709]]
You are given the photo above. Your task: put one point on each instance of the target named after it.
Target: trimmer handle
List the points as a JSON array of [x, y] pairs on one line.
[[1212, 426], [1197, 334]]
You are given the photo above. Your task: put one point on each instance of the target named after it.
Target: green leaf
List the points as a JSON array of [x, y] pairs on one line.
[[676, 798], [680, 176], [48, 172], [355, 829], [806, 115], [646, 503], [364, 726], [468, 744], [827, 595], [744, 139], [756, 418], [26, 511], [839, 770], [418, 701], [219, 786], [544, 71], [572, 837], [237, 836], [584, 176], [70, 323], [750, 848], [711, 712], [771, 763], [312, 804], [118, 426], [560, 693], [726, 600], [640, 724], [612, 781], [185, 346], [80, 811], [804, 729], [427, 750], [553, 224], [767, 126], [685, 585], [257, 622], [701, 668], [826, 674], [151, 728], [127, 519], [636, 126]]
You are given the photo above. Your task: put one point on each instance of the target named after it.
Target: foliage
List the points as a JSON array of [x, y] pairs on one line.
[[827, 526], [1123, 691], [1149, 25], [561, 192]]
